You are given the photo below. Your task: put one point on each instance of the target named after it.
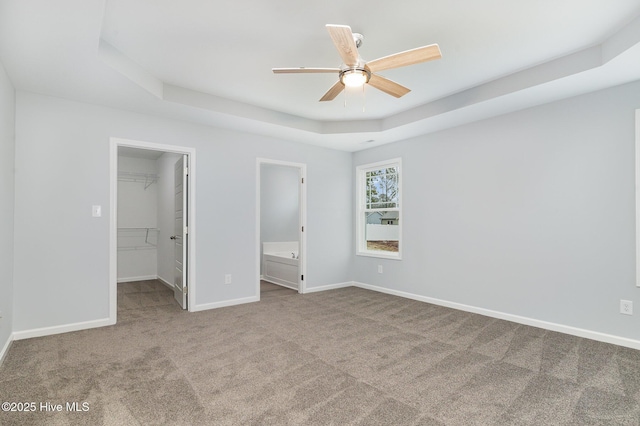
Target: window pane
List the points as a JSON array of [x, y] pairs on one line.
[[382, 188], [378, 219], [382, 232]]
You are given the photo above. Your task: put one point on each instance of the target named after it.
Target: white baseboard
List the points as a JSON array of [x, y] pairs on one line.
[[47, 331], [5, 348], [329, 287], [224, 304], [281, 283], [561, 328], [165, 282], [141, 278], [145, 278]]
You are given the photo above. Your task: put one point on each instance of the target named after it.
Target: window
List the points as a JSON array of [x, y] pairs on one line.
[[379, 209]]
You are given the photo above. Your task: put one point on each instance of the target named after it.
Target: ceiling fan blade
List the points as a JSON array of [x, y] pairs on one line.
[[343, 40], [333, 92], [304, 70], [408, 57], [387, 86]]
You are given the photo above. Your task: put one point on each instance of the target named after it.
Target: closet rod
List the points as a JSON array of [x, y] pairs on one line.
[[144, 229], [147, 178]]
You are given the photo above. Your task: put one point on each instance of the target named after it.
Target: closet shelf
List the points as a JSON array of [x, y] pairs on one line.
[[137, 238], [147, 178]]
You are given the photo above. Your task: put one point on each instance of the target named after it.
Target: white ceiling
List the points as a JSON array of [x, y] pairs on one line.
[[210, 61]]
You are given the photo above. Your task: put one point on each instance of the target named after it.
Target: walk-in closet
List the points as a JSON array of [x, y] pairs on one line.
[[145, 225]]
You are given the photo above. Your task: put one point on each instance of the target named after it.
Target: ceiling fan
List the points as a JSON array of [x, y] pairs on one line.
[[356, 72]]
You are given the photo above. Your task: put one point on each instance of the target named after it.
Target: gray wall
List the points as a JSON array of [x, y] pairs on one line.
[[62, 162], [7, 147], [530, 213]]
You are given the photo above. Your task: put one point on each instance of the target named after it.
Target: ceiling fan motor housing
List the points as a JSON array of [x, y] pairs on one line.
[[358, 38], [354, 76]]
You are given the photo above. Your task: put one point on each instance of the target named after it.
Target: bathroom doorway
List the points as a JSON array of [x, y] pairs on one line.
[[280, 219]]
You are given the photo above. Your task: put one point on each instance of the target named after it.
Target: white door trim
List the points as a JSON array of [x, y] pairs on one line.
[[302, 283], [637, 187], [114, 143]]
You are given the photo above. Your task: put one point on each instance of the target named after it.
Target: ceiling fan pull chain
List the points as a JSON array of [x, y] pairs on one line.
[[364, 99]]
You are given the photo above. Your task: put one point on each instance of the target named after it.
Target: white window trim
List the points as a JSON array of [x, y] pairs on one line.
[[360, 208], [637, 190]]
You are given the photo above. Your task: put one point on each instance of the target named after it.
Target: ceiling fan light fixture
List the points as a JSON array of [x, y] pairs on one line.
[[354, 77], [355, 72]]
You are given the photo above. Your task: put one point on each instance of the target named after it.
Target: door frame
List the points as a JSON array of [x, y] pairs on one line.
[[637, 188], [302, 221], [114, 143]]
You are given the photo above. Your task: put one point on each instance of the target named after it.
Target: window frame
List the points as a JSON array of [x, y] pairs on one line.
[[361, 210]]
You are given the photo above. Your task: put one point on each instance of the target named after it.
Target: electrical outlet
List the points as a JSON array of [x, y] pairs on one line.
[[626, 307], [379, 269], [227, 279]]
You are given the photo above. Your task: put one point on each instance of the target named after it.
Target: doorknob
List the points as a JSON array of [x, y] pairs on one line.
[[173, 237]]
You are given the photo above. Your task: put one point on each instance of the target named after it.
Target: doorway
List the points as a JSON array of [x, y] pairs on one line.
[[280, 223], [152, 225]]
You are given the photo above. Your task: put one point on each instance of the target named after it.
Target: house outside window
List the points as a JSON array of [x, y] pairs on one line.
[[379, 209]]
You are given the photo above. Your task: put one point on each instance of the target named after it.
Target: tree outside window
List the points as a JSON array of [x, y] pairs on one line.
[[379, 209]]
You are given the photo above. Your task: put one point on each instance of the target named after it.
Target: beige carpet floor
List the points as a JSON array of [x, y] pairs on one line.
[[346, 356]]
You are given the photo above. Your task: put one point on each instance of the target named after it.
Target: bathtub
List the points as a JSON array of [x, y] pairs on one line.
[[280, 263]]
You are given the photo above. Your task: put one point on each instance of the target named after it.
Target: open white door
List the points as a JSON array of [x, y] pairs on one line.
[[181, 232]]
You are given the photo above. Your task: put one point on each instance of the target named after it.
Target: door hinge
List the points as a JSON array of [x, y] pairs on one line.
[[185, 290], [303, 229], [186, 170], [186, 230], [301, 277], [302, 180]]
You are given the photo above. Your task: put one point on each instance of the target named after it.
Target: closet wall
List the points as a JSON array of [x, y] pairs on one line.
[[145, 217], [137, 219]]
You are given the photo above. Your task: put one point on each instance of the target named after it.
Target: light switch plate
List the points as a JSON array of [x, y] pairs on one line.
[[96, 211]]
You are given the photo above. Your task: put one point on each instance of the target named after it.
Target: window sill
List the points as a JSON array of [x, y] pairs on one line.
[[379, 255]]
